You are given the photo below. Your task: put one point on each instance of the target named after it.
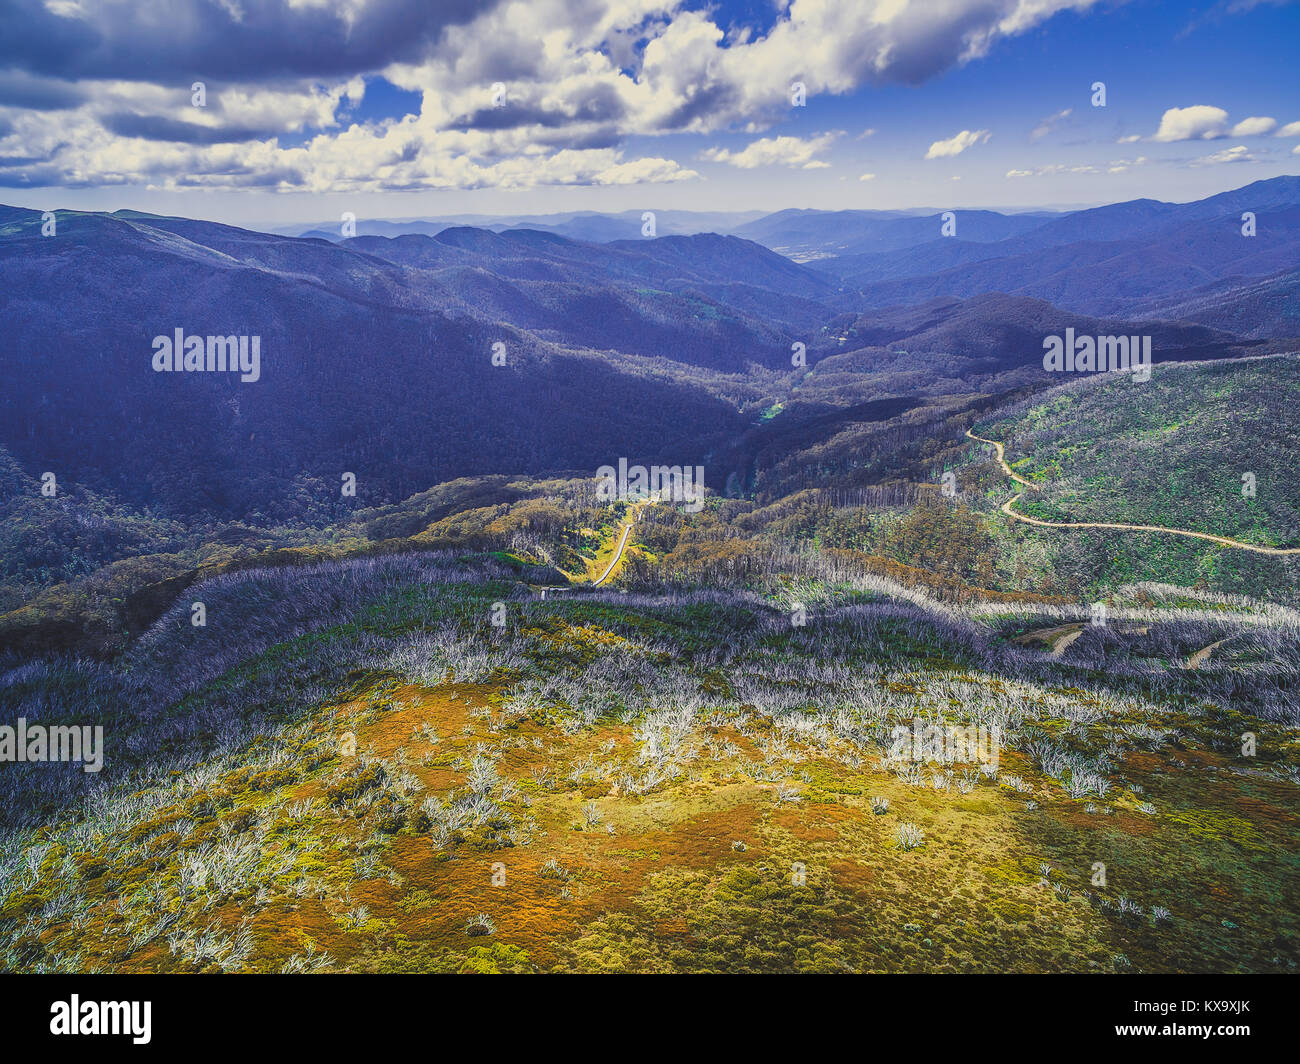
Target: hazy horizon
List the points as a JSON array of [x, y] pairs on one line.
[[188, 209]]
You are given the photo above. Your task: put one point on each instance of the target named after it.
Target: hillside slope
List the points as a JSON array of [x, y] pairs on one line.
[[342, 335], [353, 769], [1205, 447]]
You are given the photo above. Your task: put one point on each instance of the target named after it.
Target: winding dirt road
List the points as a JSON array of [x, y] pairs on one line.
[[1002, 461], [1006, 508]]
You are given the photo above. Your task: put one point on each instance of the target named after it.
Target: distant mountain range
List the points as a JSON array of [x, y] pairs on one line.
[[377, 351], [1134, 259], [576, 225], [808, 235]]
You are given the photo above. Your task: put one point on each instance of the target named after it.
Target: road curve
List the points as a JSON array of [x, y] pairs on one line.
[[1002, 461], [1007, 509]]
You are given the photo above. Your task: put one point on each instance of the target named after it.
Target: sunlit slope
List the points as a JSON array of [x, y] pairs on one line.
[[1208, 446], [354, 768], [1205, 447]]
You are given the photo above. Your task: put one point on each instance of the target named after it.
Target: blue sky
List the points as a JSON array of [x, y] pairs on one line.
[[554, 105]]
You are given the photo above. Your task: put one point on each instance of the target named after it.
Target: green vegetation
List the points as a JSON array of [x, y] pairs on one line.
[[1174, 451], [388, 750], [352, 768]]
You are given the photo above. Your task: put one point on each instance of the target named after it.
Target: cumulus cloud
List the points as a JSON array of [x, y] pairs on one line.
[[942, 149], [867, 177], [1239, 154], [1253, 127], [1202, 122], [1198, 122], [1291, 129], [776, 151], [580, 78]]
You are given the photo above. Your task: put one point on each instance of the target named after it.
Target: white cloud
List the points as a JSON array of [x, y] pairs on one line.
[[1291, 129], [1239, 154], [776, 151], [1115, 166], [395, 156], [867, 177], [638, 171], [1202, 122], [943, 149], [582, 76], [1198, 122], [290, 111], [1253, 127]]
